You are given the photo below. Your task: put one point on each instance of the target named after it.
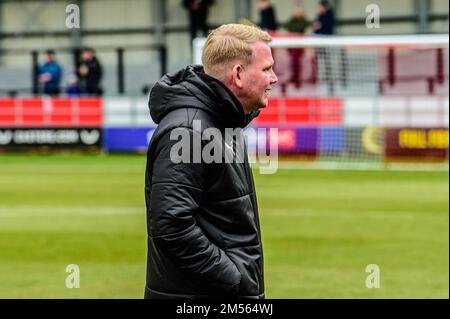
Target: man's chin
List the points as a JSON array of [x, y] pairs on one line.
[[263, 103]]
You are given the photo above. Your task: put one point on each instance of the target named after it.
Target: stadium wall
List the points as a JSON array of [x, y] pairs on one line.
[[38, 25], [351, 129]]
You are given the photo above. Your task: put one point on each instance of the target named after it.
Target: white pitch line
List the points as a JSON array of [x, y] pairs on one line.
[[363, 215], [79, 210], [286, 165]]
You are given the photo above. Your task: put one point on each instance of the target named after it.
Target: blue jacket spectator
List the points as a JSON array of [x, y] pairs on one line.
[[50, 74]]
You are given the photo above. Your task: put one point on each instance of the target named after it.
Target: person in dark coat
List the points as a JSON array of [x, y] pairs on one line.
[[204, 238], [90, 73], [268, 20], [324, 22], [198, 16]]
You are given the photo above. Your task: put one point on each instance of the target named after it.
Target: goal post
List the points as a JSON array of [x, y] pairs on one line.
[[359, 100]]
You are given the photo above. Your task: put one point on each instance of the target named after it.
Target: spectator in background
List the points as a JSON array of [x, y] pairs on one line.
[[268, 20], [324, 22], [50, 74], [90, 73], [298, 22], [324, 25], [198, 15]]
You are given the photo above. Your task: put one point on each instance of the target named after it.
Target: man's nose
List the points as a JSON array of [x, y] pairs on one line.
[[274, 78]]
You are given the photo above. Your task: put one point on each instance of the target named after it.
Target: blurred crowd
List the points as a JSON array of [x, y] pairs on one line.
[[323, 23], [85, 80]]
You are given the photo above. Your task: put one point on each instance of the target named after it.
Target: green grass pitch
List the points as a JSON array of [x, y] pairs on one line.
[[320, 229]]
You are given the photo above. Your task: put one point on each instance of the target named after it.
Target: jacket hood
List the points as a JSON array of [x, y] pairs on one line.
[[192, 88]]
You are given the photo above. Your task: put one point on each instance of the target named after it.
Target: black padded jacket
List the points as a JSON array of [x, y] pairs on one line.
[[203, 227]]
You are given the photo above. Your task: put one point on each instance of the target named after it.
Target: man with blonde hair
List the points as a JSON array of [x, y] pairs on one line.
[[203, 228]]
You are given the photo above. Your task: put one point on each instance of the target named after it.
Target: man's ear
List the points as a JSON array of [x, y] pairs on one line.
[[237, 75]]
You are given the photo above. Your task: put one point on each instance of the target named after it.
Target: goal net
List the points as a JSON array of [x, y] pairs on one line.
[[359, 101]]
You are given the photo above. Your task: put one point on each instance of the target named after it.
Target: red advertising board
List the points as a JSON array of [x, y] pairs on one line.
[[50, 112], [302, 111]]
